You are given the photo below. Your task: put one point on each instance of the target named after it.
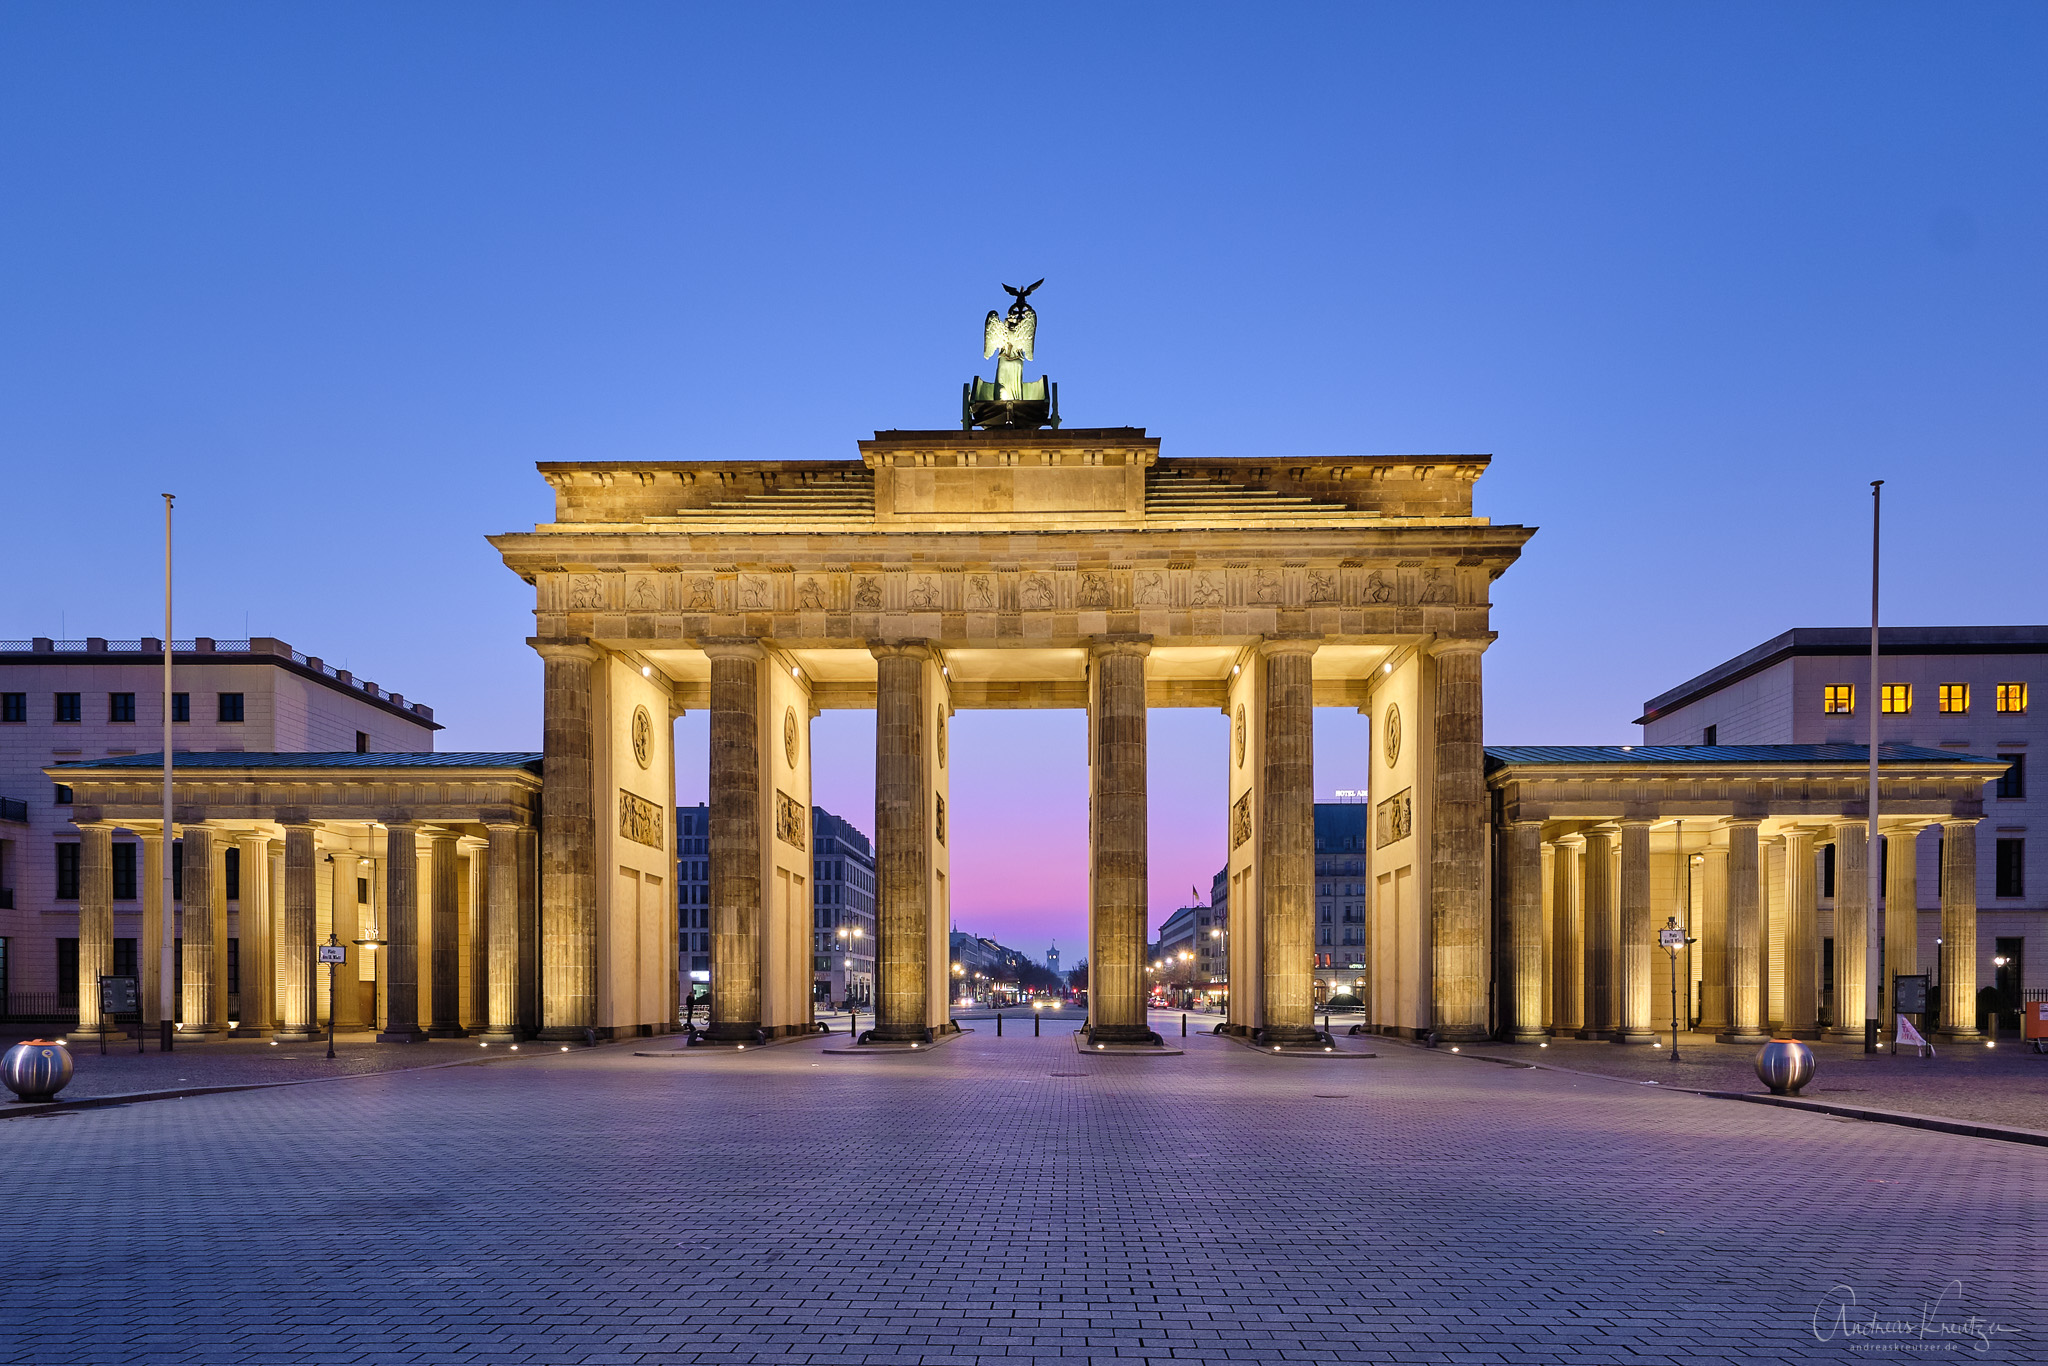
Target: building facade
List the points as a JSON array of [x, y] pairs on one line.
[[73, 701], [1961, 689], [843, 919], [693, 894], [1176, 961], [1341, 900]]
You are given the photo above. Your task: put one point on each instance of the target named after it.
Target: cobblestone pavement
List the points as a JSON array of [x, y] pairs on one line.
[[2007, 1085], [1007, 1201], [242, 1062]]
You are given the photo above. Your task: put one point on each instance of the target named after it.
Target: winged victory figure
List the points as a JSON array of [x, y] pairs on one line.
[[1011, 336]]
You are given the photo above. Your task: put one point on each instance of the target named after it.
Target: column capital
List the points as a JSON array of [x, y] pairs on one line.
[[1452, 645], [564, 647], [1643, 822], [1269, 646], [733, 647], [1523, 824], [1751, 822], [495, 825], [399, 820], [96, 824], [1575, 840], [900, 649], [1960, 823], [1099, 646]]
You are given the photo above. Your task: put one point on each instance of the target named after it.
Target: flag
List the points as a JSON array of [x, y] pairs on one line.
[[1908, 1035]]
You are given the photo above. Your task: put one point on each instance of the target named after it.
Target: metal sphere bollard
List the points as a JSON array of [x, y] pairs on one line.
[[1784, 1065], [37, 1069]]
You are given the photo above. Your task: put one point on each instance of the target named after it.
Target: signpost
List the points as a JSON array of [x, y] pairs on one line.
[[1673, 939], [333, 955], [119, 996]]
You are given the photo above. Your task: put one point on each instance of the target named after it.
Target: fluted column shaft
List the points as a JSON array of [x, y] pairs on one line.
[[445, 938], [1638, 937], [297, 996], [1457, 847], [1901, 909], [401, 954], [1802, 938], [1745, 937], [476, 965], [902, 868], [1714, 939], [257, 946], [95, 921], [152, 964], [1852, 922], [1567, 937], [502, 1011], [1523, 971], [1959, 931], [1601, 930], [199, 961], [529, 932], [344, 1004], [735, 840], [1287, 843], [568, 841], [217, 895], [1117, 906]]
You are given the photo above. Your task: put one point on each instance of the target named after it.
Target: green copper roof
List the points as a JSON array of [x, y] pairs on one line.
[[1501, 756]]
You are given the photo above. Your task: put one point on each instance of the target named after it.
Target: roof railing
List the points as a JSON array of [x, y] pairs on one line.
[[208, 645]]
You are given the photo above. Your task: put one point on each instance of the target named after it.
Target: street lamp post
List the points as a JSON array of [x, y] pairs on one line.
[[1673, 939]]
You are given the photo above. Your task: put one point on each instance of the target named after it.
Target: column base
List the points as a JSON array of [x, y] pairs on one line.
[[497, 1036], [1961, 1035], [1526, 1036], [305, 1035], [1810, 1033], [402, 1034], [1461, 1034], [252, 1031], [1854, 1036], [192, 1031], [1595, 1035], [1125, 1034], [741, 1031], [447, 1032], [1633, 1036], [1742, 1036]]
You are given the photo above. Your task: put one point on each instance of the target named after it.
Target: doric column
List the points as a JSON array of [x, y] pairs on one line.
[[1959, 931], [95, 921], [1567, 937], [1802, 938], [1901, 908], [345, 918], [1601, 932], [735, 839], [1638, 937], [1117, 907], [529, 932], [1457, 847], [257, 955], [297, 996], [1287, 844], [568, 841], [1745, 937], [446, 937], [401, 955], [1522, 972], [152, 955], [200, 964], [218, 899], [476, 965], [1852, 921], [902, 873], [502, 1010], [1714, 939]]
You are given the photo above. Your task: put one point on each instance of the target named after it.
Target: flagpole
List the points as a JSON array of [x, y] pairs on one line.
[[1873, 928], [167, 964]]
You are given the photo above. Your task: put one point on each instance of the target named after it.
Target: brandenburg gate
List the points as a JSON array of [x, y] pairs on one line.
[[1002, 568]]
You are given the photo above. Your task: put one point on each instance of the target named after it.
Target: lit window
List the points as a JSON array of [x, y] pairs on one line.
[[2012, 697], [1839, 699], [1896, 699], [1955, 699]]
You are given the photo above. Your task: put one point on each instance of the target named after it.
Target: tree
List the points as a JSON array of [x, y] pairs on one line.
[[1077, 976]]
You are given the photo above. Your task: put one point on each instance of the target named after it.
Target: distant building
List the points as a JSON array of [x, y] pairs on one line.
[[73, 701], [986, 970], [843, 902], [1341, 899], [1214, 945], [842, 898], [1176, 958], [1964, 689]]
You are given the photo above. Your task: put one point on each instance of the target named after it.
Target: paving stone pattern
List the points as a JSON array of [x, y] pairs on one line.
[[1001, 1201]]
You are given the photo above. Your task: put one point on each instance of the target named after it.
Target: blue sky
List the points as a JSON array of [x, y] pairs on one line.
[[1692, 274]]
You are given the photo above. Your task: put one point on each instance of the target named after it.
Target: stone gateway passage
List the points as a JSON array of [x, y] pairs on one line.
[[1005, 568]]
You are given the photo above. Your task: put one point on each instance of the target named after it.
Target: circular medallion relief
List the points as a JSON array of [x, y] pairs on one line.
[[1390, 740], [643, 736], [789, 735], [942, 737], [1240, 735]]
